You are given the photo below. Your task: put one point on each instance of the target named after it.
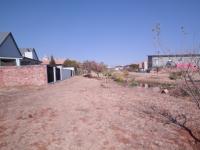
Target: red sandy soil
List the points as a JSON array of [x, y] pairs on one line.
[[89, 114]]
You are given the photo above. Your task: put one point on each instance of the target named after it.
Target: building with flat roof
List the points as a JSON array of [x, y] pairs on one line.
[[155, 61]]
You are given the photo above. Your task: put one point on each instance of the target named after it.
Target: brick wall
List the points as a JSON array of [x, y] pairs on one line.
[[23, 75]]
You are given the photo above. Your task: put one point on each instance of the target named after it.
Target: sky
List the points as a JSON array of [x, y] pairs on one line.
[[115, 32]]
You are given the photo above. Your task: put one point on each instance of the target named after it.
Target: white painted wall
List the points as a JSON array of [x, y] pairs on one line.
[[70, 68], [145, 65], [28, 55]]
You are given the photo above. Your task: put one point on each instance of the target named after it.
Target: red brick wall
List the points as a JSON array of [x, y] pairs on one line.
[[23, 75]]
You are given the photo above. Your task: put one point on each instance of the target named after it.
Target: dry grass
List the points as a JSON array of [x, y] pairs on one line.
[[80, 113]]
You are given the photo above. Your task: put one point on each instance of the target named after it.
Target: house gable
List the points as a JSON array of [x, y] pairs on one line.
[[29, 53], [35, 55], [9, 48]]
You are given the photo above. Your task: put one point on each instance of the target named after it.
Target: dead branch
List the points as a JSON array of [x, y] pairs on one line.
[[179, 120], [192, 86]]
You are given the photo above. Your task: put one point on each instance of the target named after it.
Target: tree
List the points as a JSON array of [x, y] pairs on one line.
[[71, 63], [133, 67], [52, 61]]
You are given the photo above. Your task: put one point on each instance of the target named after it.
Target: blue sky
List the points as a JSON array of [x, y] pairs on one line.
[[112, 31]]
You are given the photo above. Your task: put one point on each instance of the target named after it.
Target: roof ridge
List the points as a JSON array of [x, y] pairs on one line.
[[3, 36]]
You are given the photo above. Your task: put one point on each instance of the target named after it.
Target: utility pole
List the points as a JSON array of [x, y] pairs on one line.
[[158, 53]]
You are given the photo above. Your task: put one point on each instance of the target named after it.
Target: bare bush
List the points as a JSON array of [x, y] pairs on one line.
[[180, 120], [192, 85], [179, 91], [125, 73], [188, 72], [94, 66], [189, 85], [175, 75]]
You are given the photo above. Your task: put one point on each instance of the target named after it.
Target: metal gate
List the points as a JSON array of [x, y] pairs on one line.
[[66, 73], [57, 74], [50, 74]]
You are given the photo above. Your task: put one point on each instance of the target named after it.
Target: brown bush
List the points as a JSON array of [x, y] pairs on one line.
[[175, 75], [179, 92], [94, 66]]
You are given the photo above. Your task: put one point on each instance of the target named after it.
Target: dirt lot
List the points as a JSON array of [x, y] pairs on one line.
[[88, 114], [162, 78], [149, 78]]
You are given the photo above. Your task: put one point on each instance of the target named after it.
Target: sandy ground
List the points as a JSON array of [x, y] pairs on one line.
[[88, 114]]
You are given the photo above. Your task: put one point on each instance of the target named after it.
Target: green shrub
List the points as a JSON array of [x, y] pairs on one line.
[[107, 74], [118, 77], [134, 83], [125, 73]]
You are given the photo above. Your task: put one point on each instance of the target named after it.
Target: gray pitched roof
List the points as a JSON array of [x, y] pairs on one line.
[[23, 50], [3, 36]]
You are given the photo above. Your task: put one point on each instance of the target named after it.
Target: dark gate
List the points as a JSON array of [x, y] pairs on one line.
[[50, 74], [57, 74]]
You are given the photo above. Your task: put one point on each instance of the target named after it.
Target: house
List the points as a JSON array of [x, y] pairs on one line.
[[29, 56], [31, 71], [10, 54], [57, 72], [119, 67], [155, 61]]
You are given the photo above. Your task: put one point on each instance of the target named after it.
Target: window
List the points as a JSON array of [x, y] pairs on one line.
[[7, 62]]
